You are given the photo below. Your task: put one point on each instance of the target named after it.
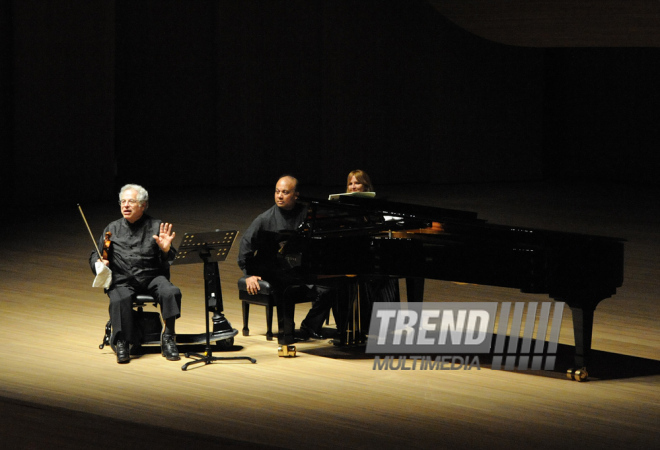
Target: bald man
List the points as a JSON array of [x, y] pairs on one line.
[[257, 259]]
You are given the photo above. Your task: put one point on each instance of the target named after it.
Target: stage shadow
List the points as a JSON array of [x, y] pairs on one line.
[[28, 425], [602, 365], [186, 348]]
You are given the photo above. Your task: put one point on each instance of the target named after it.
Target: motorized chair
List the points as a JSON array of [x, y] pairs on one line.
[[149, 324]]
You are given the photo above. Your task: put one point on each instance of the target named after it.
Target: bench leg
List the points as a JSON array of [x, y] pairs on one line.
[[269, 322], [246, 315]]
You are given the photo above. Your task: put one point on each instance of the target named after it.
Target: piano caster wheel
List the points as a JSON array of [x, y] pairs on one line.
[[577, 374], [288, 351]]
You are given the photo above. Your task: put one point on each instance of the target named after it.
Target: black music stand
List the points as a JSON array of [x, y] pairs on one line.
[[209, 248]]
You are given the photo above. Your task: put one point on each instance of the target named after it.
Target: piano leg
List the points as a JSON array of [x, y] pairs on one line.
[[583, 323], [415, 289]]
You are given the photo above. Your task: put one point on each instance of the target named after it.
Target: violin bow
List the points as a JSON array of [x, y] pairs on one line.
[[90, 230]]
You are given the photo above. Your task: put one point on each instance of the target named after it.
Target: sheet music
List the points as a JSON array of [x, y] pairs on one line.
[[352, 194]]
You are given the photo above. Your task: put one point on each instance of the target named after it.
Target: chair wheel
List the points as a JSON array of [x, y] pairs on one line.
[[225, 344]]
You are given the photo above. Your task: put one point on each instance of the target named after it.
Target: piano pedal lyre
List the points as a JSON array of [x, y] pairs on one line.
[[286, 351], [577, 374]]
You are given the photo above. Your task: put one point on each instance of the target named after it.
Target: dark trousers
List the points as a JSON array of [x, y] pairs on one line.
[[288, 288], [322, 298], [285, 286], [356, 299], [286, 306], [121, 305]]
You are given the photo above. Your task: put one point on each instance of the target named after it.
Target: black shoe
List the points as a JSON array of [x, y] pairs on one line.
[[168, 348], [305, 330], [122, 350], [330, 334], [300, 336]]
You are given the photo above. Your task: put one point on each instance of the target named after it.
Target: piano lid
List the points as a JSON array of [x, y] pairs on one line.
[[368, 206], [350, 215], [359, 215]]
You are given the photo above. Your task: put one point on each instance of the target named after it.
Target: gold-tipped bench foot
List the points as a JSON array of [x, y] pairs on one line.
[[286, 351]]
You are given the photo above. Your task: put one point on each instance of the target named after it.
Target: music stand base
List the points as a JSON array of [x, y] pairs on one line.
[[210, 248], [209, 358]]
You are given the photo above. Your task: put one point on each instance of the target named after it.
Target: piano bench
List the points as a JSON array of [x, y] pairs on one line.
[[264, 298]]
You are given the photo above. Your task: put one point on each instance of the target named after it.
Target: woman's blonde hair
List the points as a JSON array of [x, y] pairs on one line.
[[362, 178]]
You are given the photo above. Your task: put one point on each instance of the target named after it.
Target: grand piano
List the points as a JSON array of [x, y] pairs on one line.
[[366, 236]]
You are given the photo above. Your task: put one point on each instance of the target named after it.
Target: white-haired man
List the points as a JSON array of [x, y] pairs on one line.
[[139, 257]]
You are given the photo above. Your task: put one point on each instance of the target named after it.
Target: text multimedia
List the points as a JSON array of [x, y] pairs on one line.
[[443, 362]]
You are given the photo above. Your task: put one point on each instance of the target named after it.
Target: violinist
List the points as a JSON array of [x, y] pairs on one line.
[[138, 250]]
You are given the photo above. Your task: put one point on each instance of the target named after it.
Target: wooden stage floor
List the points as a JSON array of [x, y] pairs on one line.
[[59, 390]]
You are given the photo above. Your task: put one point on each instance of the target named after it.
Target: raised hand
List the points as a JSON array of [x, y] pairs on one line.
[[165, 237]]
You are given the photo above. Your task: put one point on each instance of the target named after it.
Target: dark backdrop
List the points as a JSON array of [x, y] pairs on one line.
[[226, 93]]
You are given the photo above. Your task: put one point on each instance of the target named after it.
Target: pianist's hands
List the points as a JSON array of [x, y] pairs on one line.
[[252, 284]]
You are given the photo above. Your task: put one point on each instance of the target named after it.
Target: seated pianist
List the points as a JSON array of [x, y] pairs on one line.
[[373, 288], [258, 259]]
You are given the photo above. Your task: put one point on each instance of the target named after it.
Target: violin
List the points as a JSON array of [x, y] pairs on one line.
[[106, 246]]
